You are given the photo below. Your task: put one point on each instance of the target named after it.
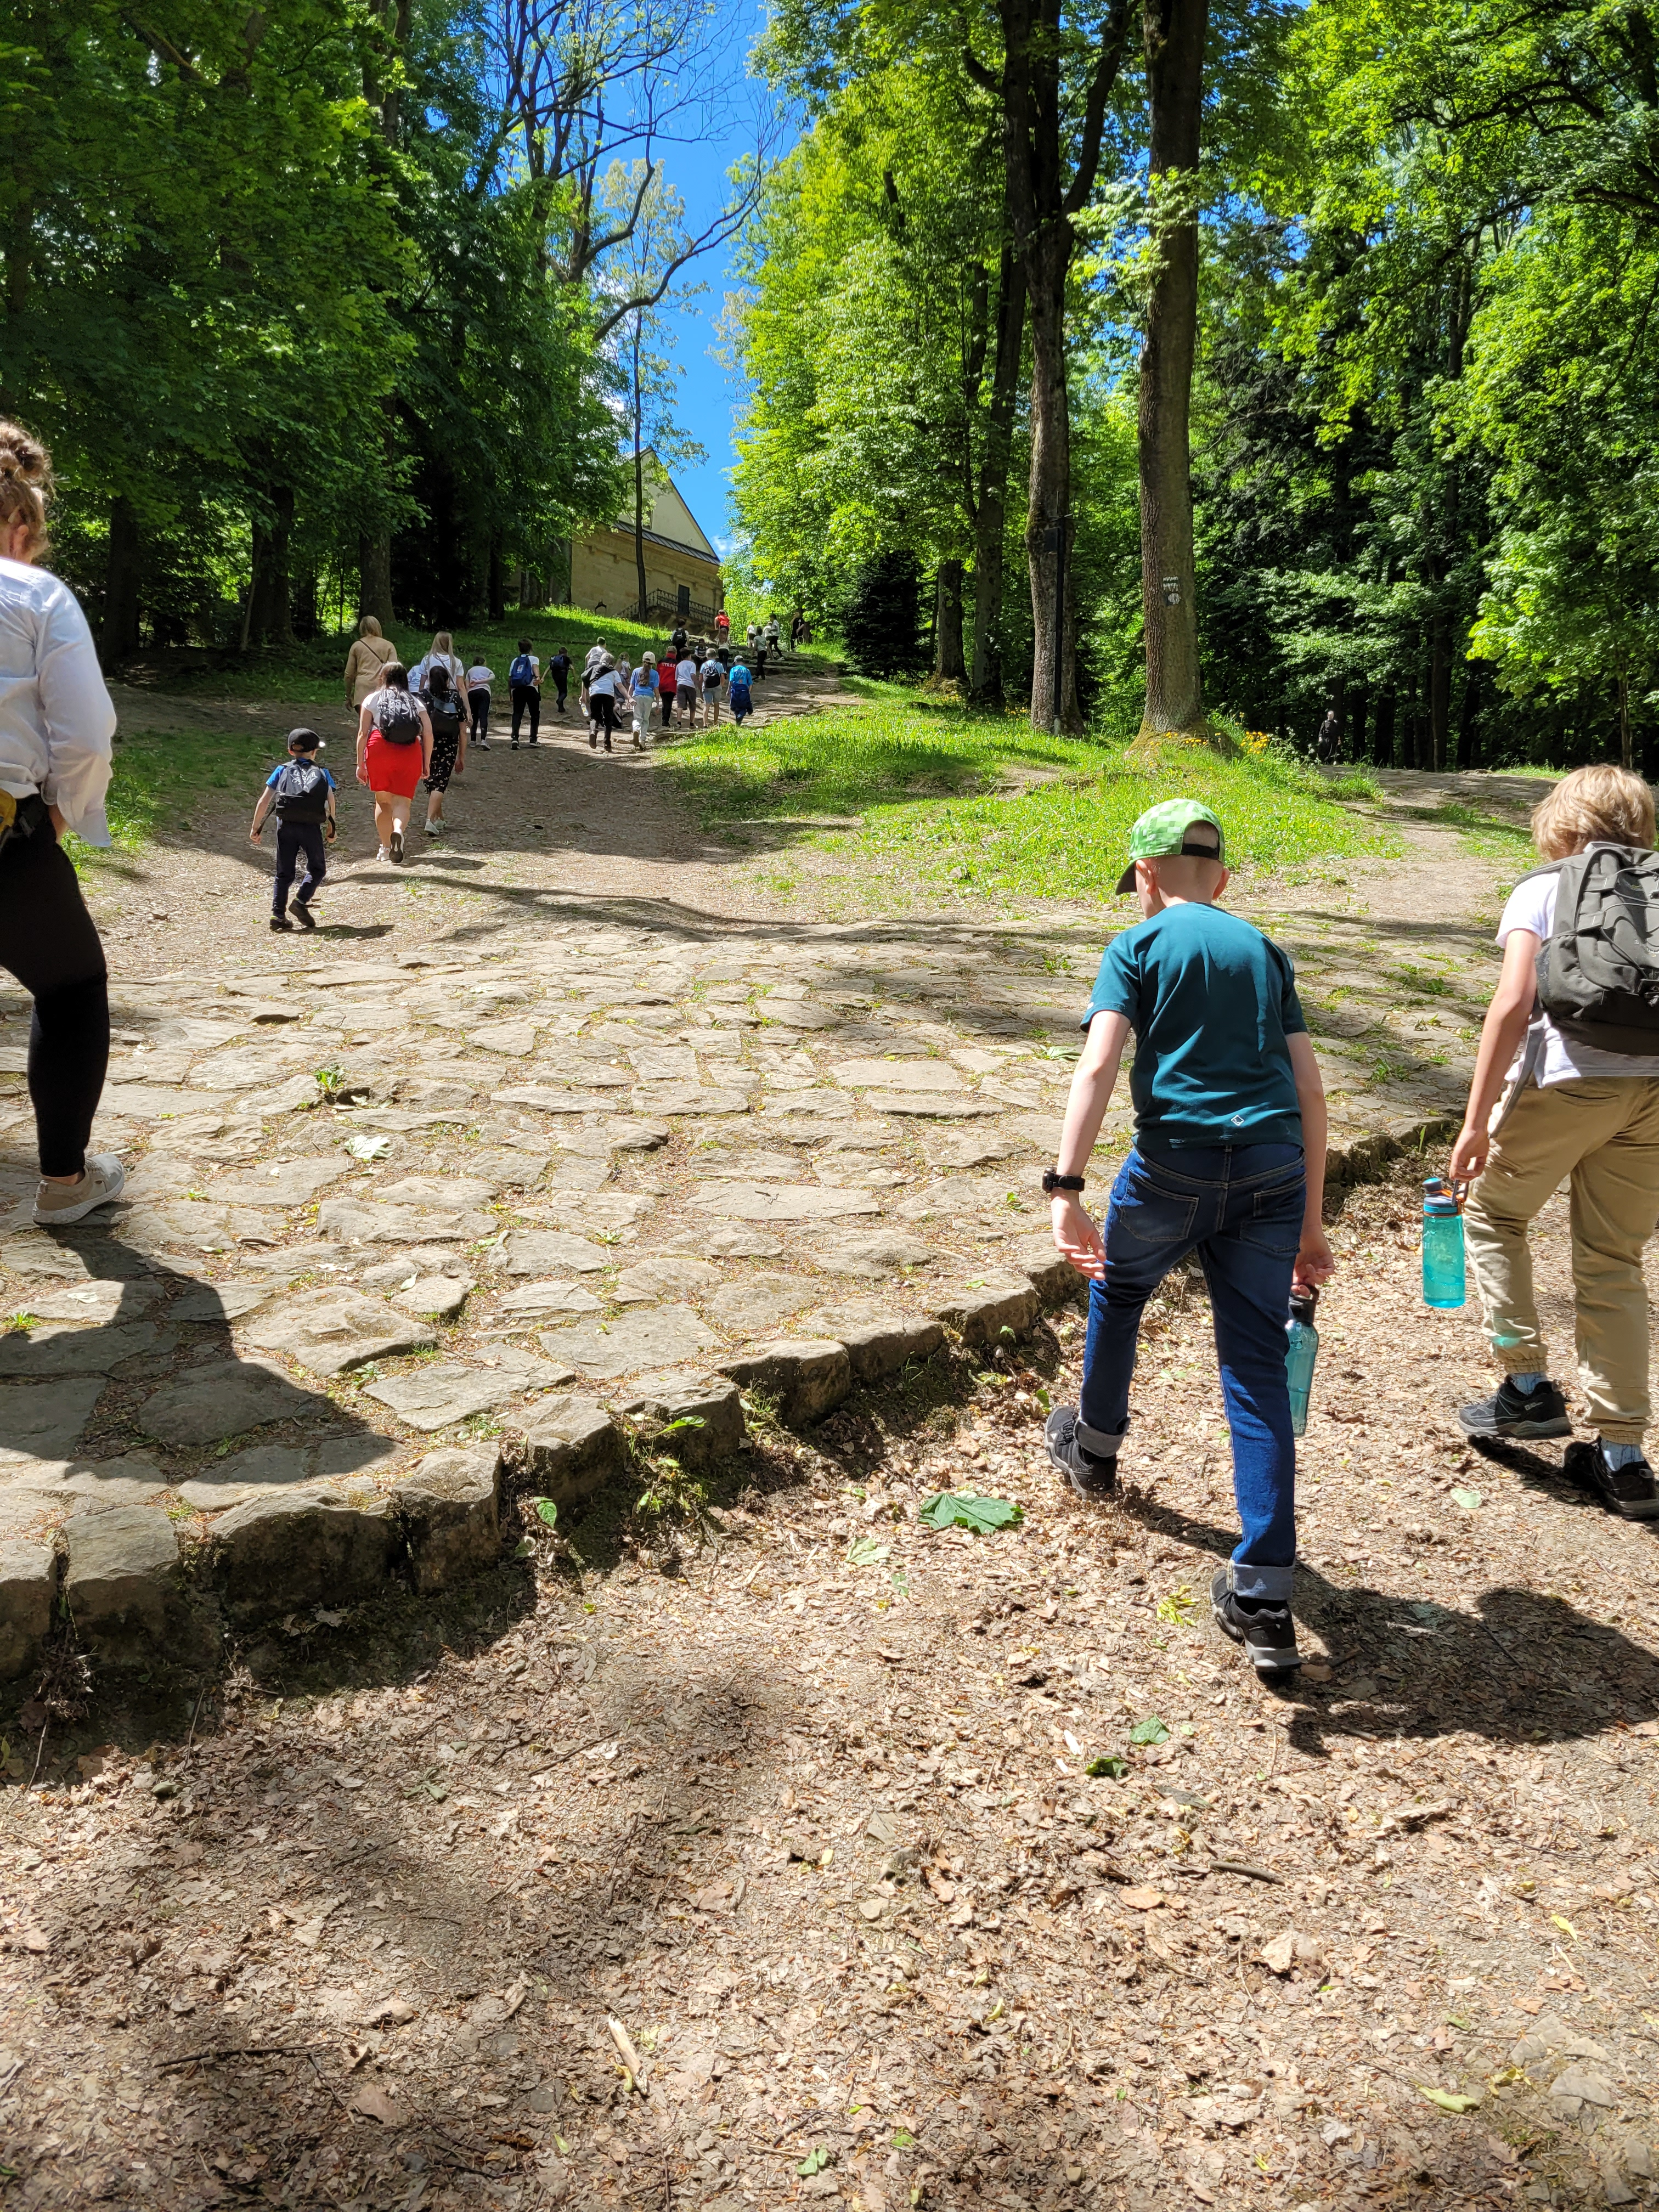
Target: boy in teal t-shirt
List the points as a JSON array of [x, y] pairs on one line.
[[1228, 1161]]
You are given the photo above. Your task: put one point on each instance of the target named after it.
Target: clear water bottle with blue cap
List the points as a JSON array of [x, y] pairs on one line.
[[1442, 1244], [1301, 1350]]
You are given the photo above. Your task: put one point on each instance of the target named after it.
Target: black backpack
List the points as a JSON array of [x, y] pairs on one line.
[[398, 718], [302, 792], [1598, 969], [445, 716]]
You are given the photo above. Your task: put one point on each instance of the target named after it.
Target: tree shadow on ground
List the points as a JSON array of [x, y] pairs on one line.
[[1498, 1672]]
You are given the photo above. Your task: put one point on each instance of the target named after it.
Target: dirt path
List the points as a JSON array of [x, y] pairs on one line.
[[802, 1806]]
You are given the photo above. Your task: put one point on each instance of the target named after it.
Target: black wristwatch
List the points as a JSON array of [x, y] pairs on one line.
[[1052, 1182]]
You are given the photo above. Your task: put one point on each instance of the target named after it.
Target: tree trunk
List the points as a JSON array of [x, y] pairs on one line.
[[990, 524], [949, 664], [1359, 712], [497, 584], [638, 479], [118, 635], [1469, 721], [1048, 519], [271, 615], [1383, 739], [1624, 719], [375, 579], [1175, 32], [1439, 692]]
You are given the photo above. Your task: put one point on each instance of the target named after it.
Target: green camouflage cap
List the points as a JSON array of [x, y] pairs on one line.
[[1178, 825]]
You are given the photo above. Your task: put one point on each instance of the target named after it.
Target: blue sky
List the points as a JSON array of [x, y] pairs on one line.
[[708, 396]]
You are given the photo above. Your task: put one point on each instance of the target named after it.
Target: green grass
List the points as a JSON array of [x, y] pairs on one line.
[[923, 782], [313, 672]]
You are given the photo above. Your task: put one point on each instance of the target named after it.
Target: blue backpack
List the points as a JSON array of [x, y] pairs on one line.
[[523, 669]]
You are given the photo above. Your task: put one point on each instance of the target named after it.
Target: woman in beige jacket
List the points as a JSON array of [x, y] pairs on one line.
[[370, 654]]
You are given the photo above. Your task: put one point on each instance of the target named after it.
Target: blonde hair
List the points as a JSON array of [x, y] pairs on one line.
[[24, 482], [368, 627], [443, 643], [1594, 805]]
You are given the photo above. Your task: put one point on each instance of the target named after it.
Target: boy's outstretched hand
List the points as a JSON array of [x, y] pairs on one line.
[[1076, 1236]]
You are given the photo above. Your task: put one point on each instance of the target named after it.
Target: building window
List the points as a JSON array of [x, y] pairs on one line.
[[683, 599]]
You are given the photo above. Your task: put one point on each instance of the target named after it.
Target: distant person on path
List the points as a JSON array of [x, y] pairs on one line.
[[646, 696], [1228, 1164], [796, 628], [722, 628], [1328, 743], [742, 699], [558, 667], [602, 702], [710, 677], [479, 678], [772, 634], [301, 792], [678, 641], [666, 683], [448, 758], [1581, 1109], [441, 654], [524, 684], [685, 691], [366, 663], [56, 724], [394, 751]]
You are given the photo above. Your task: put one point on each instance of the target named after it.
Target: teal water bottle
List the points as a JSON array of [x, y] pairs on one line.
[[1443, 1245], [1301, 1350]]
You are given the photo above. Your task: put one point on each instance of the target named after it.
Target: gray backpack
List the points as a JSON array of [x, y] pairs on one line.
[[1598, 969]]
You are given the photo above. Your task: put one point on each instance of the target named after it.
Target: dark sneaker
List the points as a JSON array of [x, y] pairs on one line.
[[398, 848], [303, 914], [515, 745], [1089, 1474], [1629, 1491], [281, 921], [1522, 1414], [1267, 1631]]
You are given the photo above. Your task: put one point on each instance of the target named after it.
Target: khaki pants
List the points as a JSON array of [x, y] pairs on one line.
[[1603, 1136]]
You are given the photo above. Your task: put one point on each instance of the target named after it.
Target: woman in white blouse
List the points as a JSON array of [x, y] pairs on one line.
[[57, 721]]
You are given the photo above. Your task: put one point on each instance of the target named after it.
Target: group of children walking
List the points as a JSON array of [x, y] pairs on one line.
[[1229, 1155]]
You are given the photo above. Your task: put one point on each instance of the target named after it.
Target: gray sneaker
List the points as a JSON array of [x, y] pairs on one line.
[[58, 1204]]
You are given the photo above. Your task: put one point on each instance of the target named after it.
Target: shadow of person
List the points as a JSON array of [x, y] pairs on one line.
[[1521, 1666], [109, 1314]]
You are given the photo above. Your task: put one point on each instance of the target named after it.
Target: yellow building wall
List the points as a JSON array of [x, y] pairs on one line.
[[603, 574]]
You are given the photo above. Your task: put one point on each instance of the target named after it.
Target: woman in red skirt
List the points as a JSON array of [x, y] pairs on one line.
[[394, 751]]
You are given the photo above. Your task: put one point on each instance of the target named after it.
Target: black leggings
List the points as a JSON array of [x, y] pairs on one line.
[[48, 941], [478, 707]]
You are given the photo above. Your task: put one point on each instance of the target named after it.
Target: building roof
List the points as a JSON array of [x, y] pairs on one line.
[[668, 520], [625, 529]]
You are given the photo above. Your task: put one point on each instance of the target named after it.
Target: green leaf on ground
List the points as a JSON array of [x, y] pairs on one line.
[[1448, 2101], [814, 2162], [1469, 1499], [865, 1552], [362, 1146], [957, 1509], [1151, 1730], [547, 1510], [1107, 1768]]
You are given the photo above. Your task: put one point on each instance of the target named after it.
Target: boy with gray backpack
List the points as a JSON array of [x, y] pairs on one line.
[[300, 793], [1573, 1029]]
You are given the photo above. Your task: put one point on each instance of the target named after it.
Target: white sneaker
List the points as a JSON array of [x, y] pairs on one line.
[[58, 1204]]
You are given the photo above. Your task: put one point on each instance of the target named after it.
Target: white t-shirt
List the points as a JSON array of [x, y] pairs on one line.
[[602, 684], [478, 678], [685, 674], [57, 718], [1531, 906], [595, 655]]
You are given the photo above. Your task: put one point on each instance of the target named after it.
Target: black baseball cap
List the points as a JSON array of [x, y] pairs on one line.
[[304, 741]]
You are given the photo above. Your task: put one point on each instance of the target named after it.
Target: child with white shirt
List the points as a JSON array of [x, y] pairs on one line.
[[1580, 1111]]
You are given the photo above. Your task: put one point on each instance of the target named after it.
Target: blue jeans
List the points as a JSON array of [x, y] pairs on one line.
[[297, 842], [1239, 1206]]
